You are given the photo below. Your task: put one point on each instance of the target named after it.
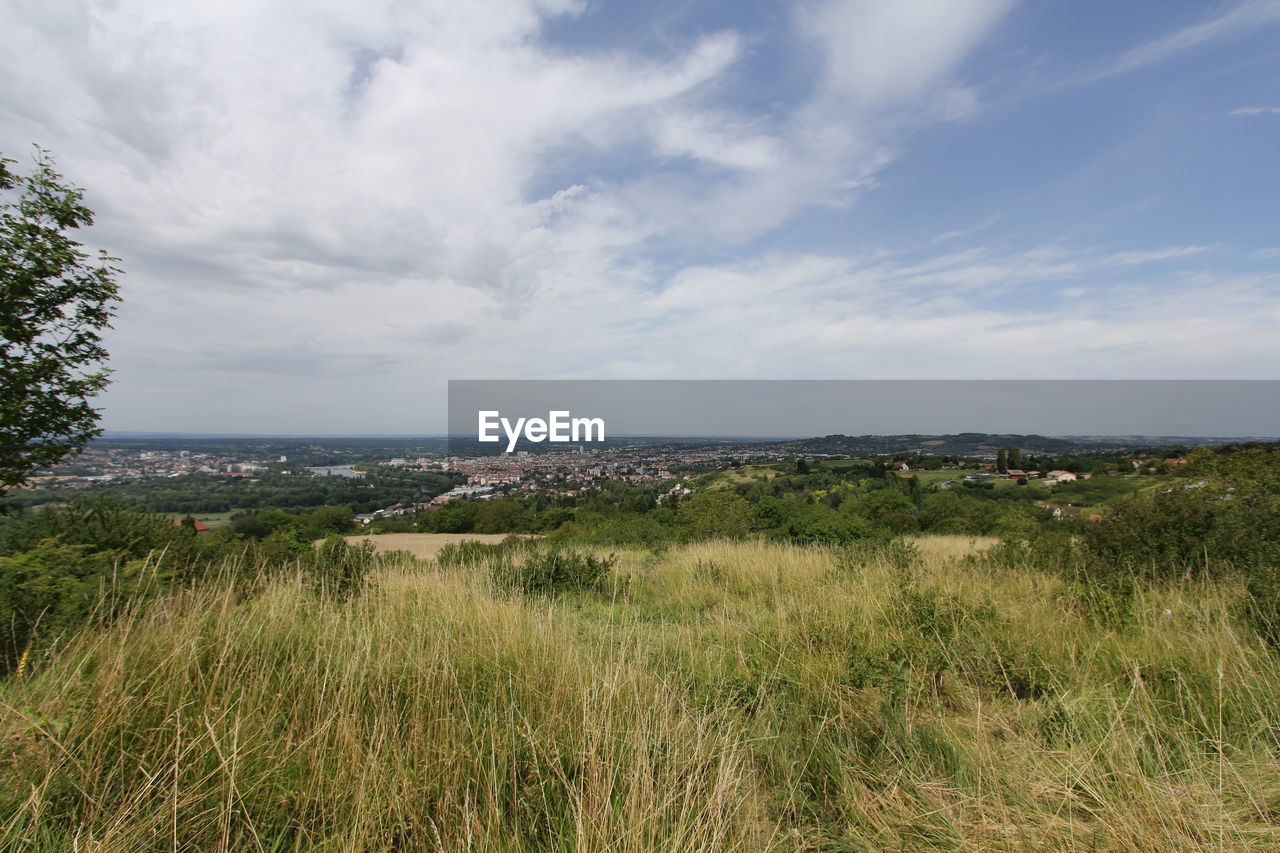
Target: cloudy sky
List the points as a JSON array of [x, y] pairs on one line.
[[326, 209]]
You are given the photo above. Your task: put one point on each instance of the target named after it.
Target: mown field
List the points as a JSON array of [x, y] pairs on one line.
[[422, 545], [717, 696], [730, 477]]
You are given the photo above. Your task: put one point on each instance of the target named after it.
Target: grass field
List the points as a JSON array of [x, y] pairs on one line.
[[213, 519], [719, 696], [729, 477], [928, 478], [936, 551], [425, 546]]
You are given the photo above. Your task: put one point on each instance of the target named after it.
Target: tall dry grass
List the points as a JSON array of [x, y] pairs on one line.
[[721, 696]]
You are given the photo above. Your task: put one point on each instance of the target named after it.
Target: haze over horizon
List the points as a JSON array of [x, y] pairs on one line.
[[324, 211]]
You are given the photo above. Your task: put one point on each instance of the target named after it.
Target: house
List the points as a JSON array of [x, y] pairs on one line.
[[196, 524], [1060, 477]]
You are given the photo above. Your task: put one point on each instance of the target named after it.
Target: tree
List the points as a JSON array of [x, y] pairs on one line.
[[332, 519], [1014, 457], [914, 490], [55, 299], [711, 515]]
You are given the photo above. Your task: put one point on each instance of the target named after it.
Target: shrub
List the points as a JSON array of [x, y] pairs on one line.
[[1263, 606], [49, 589], [338, 570], [820, 525], [104, 526], [898, 554], [714, 515], [1169, 535], [552, 572], [636, 530], [472, 553]]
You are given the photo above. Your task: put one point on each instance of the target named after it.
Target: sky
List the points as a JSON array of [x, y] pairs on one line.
[[325, 210]]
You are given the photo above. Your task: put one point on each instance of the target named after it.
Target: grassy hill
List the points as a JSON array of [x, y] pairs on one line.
[[717, 696]]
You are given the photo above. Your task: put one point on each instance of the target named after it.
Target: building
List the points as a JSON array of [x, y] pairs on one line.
[[1060, 477], [196, 524], [335, 471]]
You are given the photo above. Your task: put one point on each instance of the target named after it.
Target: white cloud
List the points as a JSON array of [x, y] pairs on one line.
[[1046, 312], [948, 236], [325, 210], [237, 131], [1241, 19], [1256, 111], [1154, 255], [881, 53], [716, 139]]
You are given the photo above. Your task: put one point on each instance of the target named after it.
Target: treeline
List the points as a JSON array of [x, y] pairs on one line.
[[90, 560], [1013, 456], [813, 504], [205, 493], [327, 450]]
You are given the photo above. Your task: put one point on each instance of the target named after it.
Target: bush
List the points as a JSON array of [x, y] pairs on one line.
[[471, 553], [338, 570], [1263, 606], [104, 526], [48, 590], [819, 525], [715, 515], [552, 572], [898, 554], [1186, 532], [634, 530]]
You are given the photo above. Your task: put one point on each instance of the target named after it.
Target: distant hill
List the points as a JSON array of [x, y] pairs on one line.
[[982, 443]]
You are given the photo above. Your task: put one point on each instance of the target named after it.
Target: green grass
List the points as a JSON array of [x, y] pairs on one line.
[[928, 478], [835, 464], [1104, 489], [716, 697], [213, 519], [727, 478]]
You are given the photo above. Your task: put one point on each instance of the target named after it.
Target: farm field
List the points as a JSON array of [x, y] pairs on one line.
[[424, 546]]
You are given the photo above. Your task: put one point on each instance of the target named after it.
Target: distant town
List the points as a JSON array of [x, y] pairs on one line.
[[394, 478]]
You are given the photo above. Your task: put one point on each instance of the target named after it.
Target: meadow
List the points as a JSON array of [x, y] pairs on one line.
[[720, 695], [422, 545]]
